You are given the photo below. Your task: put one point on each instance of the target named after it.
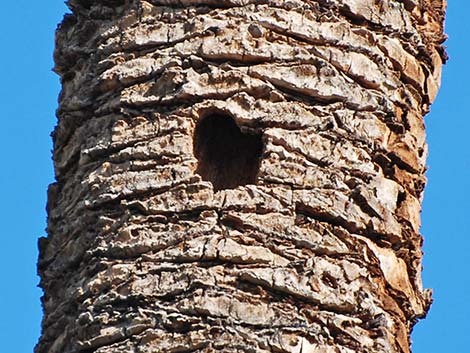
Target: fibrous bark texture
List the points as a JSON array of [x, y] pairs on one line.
[[239, 175]]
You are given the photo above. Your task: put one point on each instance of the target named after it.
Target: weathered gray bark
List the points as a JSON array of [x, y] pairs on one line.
[[239, 175]]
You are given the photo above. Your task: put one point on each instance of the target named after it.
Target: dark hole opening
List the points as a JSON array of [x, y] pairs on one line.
[[226, 156]]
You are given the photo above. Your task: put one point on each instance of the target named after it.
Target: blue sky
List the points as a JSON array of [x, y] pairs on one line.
[[28, 96]]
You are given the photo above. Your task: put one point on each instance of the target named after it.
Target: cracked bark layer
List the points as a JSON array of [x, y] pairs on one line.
[[311, 246]]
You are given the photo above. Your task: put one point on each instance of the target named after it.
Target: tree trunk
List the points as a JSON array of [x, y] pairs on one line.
[[239, 175]]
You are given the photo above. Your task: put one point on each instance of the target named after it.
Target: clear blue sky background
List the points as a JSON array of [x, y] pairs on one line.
[[28, 95]]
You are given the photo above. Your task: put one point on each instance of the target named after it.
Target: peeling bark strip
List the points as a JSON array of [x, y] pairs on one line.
[[239, 175]]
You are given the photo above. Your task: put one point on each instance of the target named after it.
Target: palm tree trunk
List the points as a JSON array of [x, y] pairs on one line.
[[239, 175]]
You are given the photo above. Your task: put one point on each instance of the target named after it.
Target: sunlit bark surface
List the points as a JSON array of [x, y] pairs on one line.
[[239, 176]]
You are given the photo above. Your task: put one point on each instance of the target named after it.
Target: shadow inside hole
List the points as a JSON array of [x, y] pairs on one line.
[[226, 156]]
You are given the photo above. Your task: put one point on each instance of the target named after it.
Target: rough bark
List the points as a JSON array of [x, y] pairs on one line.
[[239, 175]]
